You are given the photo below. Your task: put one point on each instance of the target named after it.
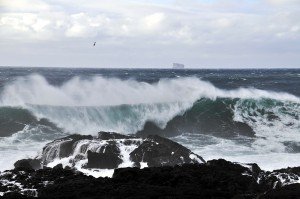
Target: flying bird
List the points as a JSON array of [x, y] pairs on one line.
[[94, 44]]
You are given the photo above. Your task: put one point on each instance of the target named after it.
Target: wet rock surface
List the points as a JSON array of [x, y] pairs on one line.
[[104, 160], [173, 171], [109, 150], [214, 179], [28, 164], [286, 192], [61, 148], [112, 135], [158, 151]]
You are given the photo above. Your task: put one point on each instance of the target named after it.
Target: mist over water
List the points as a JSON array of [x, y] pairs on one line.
[[41, 111]]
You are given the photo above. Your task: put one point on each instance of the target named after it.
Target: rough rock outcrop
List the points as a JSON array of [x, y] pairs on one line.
[[61, 148], [28, 164], [102, 135], [158, 151], [280, 177], [109, 150], [108, 159], [173, 172], [214, 179], [291, 191]]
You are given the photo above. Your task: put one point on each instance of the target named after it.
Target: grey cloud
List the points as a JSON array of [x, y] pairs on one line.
[[146, 34]]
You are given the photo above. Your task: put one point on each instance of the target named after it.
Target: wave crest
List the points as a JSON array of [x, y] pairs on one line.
[[109, 104]]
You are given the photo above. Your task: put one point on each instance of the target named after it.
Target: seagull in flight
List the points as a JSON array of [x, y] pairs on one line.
[[94, 44]]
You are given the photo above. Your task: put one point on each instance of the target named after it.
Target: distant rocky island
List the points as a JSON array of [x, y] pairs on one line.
[[178, 66], [144, 167]]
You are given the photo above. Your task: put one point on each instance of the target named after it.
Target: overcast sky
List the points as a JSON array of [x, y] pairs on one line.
[[153, 33]]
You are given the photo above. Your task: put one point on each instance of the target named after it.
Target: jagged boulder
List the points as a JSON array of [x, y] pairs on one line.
[[102, 135], [158, 151], [107, 158], [108, 150], [281, 177], [28, 164], [61, 148], [289, 170], [214, 179], [86, 151], [291, 191]]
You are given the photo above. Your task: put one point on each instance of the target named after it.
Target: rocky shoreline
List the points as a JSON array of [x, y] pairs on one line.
[[142, 167]]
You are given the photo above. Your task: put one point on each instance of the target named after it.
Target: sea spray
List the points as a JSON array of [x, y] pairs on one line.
[[88, 105]]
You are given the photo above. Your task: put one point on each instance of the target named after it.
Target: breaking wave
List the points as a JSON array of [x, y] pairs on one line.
[[178, 105], [34, 112]]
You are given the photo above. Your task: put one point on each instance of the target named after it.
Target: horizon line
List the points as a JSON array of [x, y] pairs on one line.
[[163, 68]]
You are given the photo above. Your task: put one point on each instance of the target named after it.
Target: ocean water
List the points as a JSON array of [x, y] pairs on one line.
[[245, 115]]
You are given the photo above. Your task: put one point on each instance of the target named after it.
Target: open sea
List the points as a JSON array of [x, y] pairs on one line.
[[247, 116]]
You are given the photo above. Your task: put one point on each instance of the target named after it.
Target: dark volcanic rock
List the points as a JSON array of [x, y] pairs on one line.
[[107, 158], [111, 135], [287, 192], [289, 170], [158, 151], [28, 164], [16, 195], [61, 148], [167, 175], [280, 177], [104, 151], [215, 179], [222, 178]]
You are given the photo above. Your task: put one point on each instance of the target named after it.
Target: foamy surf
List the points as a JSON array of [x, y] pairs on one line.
[[87, 106]]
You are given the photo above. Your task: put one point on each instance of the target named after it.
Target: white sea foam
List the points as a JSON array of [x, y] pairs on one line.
[[278, 135], [18, 146], [239, 150]]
